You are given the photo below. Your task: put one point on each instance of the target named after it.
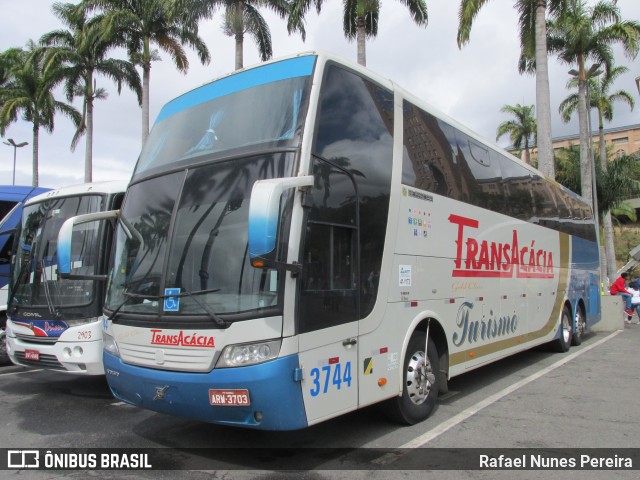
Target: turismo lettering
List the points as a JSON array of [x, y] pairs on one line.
[[476, 258], [181, 339], [472, 331]]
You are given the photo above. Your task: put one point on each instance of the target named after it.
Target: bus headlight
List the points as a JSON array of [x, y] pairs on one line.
[[109, 344], [248, 354]]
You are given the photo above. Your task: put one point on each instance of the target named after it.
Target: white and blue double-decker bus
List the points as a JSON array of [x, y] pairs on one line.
[[305, 238]]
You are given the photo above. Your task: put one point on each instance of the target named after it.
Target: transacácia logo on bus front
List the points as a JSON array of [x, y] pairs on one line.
[[181, 339]]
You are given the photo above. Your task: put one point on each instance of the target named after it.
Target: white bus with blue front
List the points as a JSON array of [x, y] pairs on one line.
[[54, 322], [12, 198], [305, 238]]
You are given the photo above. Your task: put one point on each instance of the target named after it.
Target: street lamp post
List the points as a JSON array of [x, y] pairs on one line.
[[15, 146]]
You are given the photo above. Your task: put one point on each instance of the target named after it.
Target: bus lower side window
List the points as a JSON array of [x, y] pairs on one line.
[[328, 258], [328, 294]]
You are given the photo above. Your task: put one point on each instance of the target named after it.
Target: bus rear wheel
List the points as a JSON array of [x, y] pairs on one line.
[[420, 383], [563, 342], [581, 327]]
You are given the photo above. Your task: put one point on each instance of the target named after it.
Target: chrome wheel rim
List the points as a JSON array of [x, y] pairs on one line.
[[419, 378], [566, 328], [580, 324], [3, 344]]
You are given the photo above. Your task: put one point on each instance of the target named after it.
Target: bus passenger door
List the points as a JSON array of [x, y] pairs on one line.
[[327, 310]]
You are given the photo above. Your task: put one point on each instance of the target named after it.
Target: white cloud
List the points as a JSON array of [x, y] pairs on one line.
[[470, 84]]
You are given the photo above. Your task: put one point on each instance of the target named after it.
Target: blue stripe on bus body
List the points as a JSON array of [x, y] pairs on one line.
[[272, 391], [584, 278], [292, 68]]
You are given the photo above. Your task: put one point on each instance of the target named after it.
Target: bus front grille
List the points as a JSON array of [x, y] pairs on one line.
[[37, 340]]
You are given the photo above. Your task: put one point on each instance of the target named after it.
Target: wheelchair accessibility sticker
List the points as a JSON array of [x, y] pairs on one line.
[[171, 304]]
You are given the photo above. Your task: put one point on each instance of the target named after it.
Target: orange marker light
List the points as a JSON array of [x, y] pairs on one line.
[[382, 382]]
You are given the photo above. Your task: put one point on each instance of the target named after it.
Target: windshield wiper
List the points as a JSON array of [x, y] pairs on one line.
[[47, 294], [115, 312], [214, 316], [22, 276]]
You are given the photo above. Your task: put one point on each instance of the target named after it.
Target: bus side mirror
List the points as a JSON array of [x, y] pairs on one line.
[[264, 210], [64, 243]]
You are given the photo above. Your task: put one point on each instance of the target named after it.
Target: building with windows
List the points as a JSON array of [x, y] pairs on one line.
[[624, 140]]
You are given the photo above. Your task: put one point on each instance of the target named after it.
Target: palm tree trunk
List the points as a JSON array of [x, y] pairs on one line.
[[543, 96], [361, 35], [239, 35], [239, 53], [88, 151], [146, 73], [583, 121], [607, 224], [36, 136]]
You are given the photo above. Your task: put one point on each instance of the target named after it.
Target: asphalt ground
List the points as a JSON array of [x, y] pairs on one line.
[[536, 402]]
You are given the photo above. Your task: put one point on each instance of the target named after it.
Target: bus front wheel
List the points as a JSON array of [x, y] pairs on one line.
[[420, 383]]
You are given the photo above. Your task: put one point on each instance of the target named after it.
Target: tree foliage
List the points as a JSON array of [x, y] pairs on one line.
[[28, 93]]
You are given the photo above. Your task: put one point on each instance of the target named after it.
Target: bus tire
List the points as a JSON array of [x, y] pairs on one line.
[[4, 356], [420, 383], [563, 342], [580, 329]]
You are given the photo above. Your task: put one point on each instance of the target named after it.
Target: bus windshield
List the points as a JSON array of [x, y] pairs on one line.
[[35, 279], [268, 114], [208, 265]]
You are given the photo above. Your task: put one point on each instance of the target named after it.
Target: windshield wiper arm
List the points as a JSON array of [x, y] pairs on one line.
[[113, 314], [214, 316], [22, 275], [52, 308]]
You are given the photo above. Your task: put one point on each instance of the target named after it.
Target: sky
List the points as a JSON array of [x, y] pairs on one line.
[[470, 84]]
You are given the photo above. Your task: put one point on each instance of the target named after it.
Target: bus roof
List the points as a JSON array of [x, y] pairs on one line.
[[108, 187], [323, 57], [18, 193]]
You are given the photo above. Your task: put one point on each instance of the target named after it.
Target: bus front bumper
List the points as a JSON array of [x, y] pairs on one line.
[[78, 349], [275, 398]]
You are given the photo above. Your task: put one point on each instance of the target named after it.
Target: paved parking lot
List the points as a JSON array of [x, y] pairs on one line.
[[537, 400]]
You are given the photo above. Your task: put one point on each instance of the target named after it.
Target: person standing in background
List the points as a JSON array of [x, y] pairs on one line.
[[634, 289]]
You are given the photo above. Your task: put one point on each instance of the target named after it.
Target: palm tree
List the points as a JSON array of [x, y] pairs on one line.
[[141, 23], [602, 101], [533, 41], [82, 53], [29, 91], [360, 19], [8, 58], [241, 17], [521, 130], [582, 33], [614, 184]]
